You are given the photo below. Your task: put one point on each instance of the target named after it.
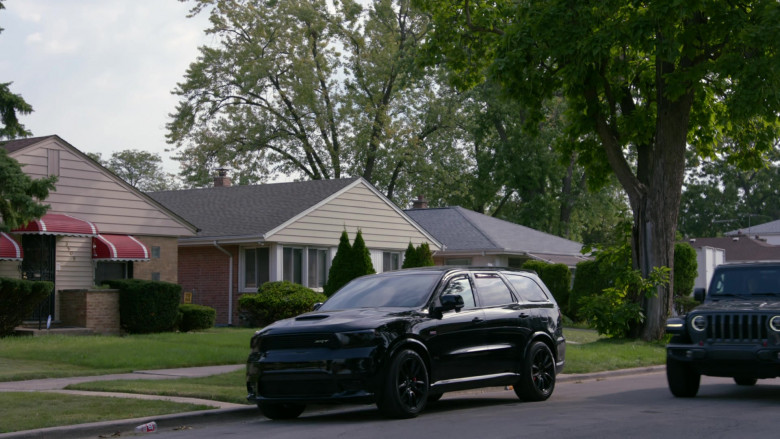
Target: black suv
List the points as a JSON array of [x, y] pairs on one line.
[[734, 333], [402, 339]]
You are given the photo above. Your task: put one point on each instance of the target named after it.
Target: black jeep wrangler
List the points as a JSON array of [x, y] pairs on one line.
[[734, 333]]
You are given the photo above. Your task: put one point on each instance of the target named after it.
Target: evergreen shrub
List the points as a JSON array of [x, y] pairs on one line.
[[147, 306], [196, 317], [276, 301], [18, 299]]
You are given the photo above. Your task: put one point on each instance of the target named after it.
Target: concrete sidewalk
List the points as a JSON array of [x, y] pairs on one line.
[[221, 411]]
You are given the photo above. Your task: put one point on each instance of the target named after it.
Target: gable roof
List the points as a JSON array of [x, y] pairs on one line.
[[740, 248], [463, 230], [248, 211], [17, 144], [770, 228]]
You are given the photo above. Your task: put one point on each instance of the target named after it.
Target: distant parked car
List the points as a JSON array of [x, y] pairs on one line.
[[402, 339], [734, 333]]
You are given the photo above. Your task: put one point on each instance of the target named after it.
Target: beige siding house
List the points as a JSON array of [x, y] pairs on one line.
[[249, 235], [88, 195]]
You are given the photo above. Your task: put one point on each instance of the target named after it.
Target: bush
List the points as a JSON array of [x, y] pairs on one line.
[[276, 301], [686, 268], [557, 277], [361, 257], [340, 268], [194, 317], [18, 299], [147, 306], [588, 282], [410, 257]]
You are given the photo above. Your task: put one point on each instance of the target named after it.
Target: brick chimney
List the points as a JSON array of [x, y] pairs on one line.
[[420, 203], [221, 179]]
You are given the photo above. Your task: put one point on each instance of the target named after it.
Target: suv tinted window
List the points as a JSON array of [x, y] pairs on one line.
[[461, 287], [492, 290], [527, 289]]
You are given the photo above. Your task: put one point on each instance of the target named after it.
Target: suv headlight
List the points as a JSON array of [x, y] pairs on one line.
[[774, 323], [699, 323], [358, 338]]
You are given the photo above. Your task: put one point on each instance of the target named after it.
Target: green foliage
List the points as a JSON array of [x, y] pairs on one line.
[[424, 255], [147, 306], [617, 311], [588, 282], [557, 277], [20, 195], [18, 299], [196, 317], [410, 257], [341, 267], [276, 301], [141, 169], [685, 272], [361, 257]]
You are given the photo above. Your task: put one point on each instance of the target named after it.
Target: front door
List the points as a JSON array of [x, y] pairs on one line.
[[39, 264]]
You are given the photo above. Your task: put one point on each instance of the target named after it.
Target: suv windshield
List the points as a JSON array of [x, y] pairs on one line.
[[745, 281], [410, 290]]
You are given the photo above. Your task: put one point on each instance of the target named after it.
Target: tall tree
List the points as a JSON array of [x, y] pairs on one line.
[[643, 80], [11, 104], [313, 90], [142, 169], [722, 196], [20, 196]]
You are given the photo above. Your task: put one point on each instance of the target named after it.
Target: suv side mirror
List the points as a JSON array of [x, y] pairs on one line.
[[450, 302], [699, 294], [316, 306]]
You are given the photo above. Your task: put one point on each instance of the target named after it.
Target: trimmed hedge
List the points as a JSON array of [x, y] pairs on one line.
[[195, 317], [18, 299], [147, 306], [587, 282], [276, 301], [557, 277]]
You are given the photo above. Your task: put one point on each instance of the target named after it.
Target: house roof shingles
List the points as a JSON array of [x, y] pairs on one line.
[[246, 210], [461, 229], [17, 144], [741, 248]]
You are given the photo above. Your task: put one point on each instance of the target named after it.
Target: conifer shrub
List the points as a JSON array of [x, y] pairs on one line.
[[340, 268], [147, 306], [686, 269], [361, 257], [194, 317], [18, 299], [276, 301], [424, 255], [410, 257]]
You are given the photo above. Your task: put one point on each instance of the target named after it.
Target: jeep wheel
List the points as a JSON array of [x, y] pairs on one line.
[[745, 381], [683, 379]]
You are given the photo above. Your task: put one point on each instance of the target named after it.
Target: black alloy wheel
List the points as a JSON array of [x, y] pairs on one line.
[[274, 410], [406, 386], [538, 375]]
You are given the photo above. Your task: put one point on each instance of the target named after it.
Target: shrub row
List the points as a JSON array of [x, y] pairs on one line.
[[276, 301], [18, 299], [147, 306]]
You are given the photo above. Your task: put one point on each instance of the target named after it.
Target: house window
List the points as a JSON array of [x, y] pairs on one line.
[[458, 261], [156, 276], [292, 265], [255, 267], [110, 270], [155, 252], [317, 267], [391, 261]]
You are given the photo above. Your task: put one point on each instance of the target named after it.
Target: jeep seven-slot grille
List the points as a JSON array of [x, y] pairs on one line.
[[736, 328]]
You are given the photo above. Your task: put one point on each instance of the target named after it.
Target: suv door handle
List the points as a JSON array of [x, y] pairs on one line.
[[523, 315], [477, 320]]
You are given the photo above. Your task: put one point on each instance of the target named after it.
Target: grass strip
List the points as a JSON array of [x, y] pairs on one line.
[[33, 410]]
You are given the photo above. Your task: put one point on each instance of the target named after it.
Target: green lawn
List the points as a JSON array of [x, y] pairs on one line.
[[60, 356]]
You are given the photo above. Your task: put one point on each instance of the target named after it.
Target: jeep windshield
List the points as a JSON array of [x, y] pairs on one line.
[[745, 281]]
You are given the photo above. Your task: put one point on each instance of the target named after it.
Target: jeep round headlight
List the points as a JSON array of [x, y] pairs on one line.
[[774, 323], [699, 323]]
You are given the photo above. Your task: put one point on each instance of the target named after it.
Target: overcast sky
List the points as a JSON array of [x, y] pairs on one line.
[[99, 73]]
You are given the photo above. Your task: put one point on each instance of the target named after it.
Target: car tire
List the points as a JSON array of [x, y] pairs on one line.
[[274, 410], [537, 380], [745, 381], [682, 378], [405, 391]]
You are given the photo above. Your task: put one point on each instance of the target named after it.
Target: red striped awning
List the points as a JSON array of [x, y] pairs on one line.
[[118, 248], [9, 248], [59, 224]]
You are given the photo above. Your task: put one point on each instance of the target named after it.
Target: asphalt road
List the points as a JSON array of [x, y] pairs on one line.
[[638, 406]]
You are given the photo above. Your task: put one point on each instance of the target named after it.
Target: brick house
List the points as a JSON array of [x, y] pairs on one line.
[[98, 226], [249, 235]]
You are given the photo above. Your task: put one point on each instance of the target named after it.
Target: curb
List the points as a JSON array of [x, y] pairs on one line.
[[125, 427]]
